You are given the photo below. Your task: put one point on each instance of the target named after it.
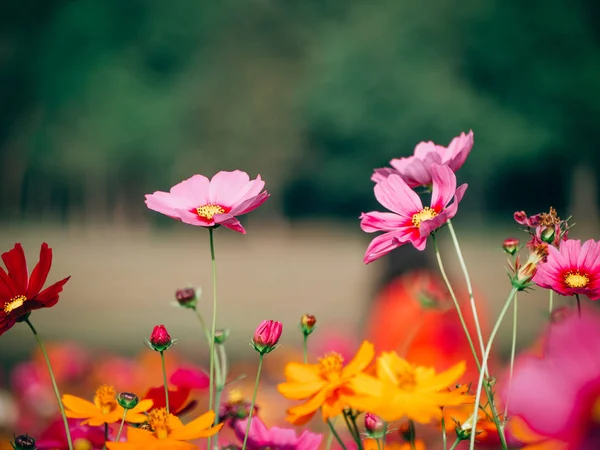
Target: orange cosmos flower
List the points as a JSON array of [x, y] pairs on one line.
[[415, 392], [105, 408], [328, 385], [371, 444], [168, 432]]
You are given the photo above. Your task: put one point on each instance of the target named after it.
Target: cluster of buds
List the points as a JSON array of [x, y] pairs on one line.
[[24, 442], [266, 337], [308, 324], [160, 339], [544, 227], [522, 274], [235, 408]]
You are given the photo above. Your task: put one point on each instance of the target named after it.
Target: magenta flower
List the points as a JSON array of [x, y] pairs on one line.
[[260, 437], [572, 269], [416, 170], [83, 436], [410, 221], [210, 203], [557, 395], [266, 337]]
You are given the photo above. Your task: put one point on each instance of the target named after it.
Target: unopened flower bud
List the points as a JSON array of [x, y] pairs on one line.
[[221, 336], [307, 324], [160, 340], [375, 427], [267, 336], [464, 431], [525, 273], [521, 218], [186, 297], [548, 234], [511, 245], [24, 442], [127, 400]]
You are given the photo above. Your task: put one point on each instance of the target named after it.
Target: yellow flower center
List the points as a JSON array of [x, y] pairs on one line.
[[158, 419], [576, 279], [406, 380], [82, 444], [208, 211], [235, 396], [425, 214], [106, 398], [14, 303], [331, 363]]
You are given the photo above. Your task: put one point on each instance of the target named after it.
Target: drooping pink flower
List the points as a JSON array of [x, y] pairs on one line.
[[572, 269], [410, 221], [261, 437], [416, 170], [209, 203], [557, 395]]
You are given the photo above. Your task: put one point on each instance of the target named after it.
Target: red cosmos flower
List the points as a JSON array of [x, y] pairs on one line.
[[19, 293]]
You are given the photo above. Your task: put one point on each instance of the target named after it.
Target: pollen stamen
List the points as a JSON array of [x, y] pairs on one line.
[[331, 363], [159, 419], [209, 210], [14, 303], [106, 398], [576, 280], [425, 214]]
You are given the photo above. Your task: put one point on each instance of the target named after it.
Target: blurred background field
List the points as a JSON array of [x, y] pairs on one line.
[[103, 102]]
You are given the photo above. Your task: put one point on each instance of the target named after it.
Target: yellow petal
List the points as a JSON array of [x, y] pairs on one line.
[[122, 446], [79, 407], [364, 384], [309, 407], [143, 406], [197, 428], [302, 373], [361, 360], [300, 391], [446, 378], [137, 435]]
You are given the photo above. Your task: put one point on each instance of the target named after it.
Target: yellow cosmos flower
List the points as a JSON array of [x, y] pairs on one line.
[[105, 408], [371, 444], [328, 385], [415, 392], [168, 433]]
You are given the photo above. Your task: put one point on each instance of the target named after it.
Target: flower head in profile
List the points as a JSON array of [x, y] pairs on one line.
[[416, 170], [260, 437], [410, 221], [557, 394], [104, 409], [210, 203], [413, 392], [544, 227], [21, 293], [167, 432], [572, 269], [329, 385]]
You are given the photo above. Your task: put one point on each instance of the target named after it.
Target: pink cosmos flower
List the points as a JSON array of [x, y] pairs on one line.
[[572, 269], [260, 437], [410, 221], [209, 203], [557, 395], [416, 170], [83, 436]]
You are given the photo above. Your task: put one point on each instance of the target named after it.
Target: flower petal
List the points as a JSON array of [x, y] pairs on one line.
[[16, 265], [197, 428], [78, 408], [190, 193], [166, 204], [225, 187], [385, 243], [361, 360], [300, 391], [395, 195], [249, 204], [40, 272], [49, 296], [302, 373], [7, 289], [444, 186], [381, 221], [228, 221]]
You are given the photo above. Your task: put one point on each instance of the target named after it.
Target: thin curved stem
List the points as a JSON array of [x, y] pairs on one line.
[[513, 349], [444, 442], [122, 423], [164, 371], [305, 349], [578, 305], [463, 267], [260, 361], [335, 434], [550, 301], [455, 444], [53, 380], [214, 321], [411, 428], [486, 356]]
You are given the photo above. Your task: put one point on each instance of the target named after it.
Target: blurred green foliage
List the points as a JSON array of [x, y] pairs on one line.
[[103, 101]]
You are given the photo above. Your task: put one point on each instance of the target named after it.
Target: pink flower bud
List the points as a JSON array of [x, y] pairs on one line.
[[267, 336], [160, 340], [511, 245], [186, 297], [307, 324], [374, 425]]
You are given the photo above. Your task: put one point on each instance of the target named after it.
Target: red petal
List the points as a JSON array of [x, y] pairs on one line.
[[17, 267], [177, 398], [6, 323], [40, 272], [7, 290], [49, 296]]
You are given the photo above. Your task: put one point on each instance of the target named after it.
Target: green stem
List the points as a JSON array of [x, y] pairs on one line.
[[122, 423], [260, 361], [214, 321], [550, 301], [105, 435], [454, 299], [305, 348], [444, 443], [463, 267], [53, 380], [456, 442], [351, 425], [412, 434], [164, 371], [360, 442], [511, 296], [335, 434], [578, 305], [513, 349]]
